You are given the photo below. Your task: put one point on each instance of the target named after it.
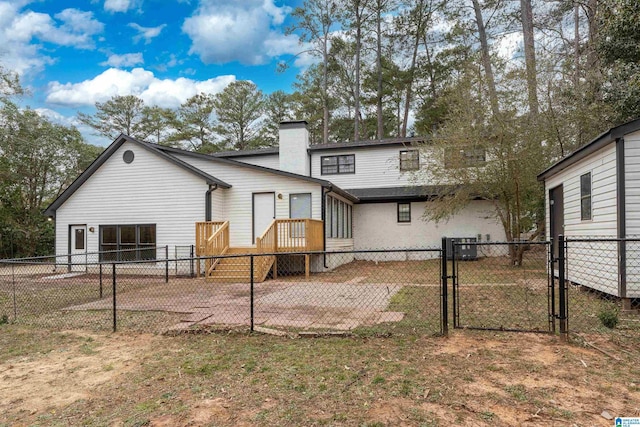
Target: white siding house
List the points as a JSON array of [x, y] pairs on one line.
[[363, 195], [593, 193]]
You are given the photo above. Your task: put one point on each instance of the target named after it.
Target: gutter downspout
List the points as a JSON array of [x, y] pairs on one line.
[[207, 201], [324, 225]]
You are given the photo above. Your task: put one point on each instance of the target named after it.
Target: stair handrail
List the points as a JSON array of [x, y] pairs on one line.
[[204, 230], [216, 244], [266, 243]]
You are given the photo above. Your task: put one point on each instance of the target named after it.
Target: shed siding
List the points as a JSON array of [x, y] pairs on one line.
[[590, 264], [632, 202], [150, 190], [375, 167], [245, 182], [376, 227]]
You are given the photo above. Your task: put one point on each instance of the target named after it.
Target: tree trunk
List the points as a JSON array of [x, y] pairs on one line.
[[380, 127], [530, 56], [420, 7], [356, 95], [486, 59], [325, 84]]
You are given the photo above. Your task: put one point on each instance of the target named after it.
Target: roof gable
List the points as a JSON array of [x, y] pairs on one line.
[[109, 151], [237, 163]]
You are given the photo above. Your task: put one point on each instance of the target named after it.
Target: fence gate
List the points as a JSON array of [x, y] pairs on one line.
[[502, 286]]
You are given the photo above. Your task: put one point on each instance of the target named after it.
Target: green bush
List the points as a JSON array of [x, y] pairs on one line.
[[4, 319], [609, 316]]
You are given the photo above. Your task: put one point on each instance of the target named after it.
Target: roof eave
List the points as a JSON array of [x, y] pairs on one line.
[[591, 147]]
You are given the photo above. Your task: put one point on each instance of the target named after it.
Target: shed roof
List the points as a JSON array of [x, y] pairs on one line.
[[591, 147]]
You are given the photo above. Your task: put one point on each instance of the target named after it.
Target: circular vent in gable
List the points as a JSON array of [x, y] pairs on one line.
[[128, 156]]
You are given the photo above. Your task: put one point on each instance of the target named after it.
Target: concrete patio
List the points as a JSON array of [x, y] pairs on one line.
[[307, 305]]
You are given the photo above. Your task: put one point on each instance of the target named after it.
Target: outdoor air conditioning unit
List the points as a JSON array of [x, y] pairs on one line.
[[463, 252]]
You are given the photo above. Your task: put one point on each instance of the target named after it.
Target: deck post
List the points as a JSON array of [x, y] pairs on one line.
[[306, 266], [275, 266]]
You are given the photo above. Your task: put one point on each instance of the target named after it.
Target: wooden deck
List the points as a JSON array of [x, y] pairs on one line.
[[282, 235]]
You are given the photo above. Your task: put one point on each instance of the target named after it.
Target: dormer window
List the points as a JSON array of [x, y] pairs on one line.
[[335, 165], [409, 160]]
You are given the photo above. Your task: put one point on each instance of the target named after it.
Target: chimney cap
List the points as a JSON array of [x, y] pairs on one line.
[[293, 124]]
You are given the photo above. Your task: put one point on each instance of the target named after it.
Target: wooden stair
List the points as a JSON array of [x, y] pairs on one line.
[[238, 270]]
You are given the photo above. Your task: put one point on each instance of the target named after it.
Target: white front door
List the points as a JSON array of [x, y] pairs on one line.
[[264, 211], [78, 247]]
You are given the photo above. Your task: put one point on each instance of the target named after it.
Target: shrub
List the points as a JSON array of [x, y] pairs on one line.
[[609, 316]]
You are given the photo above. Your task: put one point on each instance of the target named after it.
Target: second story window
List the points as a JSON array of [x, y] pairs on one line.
[[409, 160], [464, 157], [333, 165]]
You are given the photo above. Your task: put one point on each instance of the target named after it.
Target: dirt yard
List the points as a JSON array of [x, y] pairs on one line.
[[470, 378]]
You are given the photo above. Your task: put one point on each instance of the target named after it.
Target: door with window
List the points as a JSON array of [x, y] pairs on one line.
[[264, 212], [299, 207], [78, 256]]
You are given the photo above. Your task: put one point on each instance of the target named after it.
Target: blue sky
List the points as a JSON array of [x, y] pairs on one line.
[[71, 54]]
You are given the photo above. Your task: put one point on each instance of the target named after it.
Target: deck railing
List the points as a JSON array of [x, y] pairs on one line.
[[282, 235], [299, 235], [204, 230], [217, 244], [266, 243]]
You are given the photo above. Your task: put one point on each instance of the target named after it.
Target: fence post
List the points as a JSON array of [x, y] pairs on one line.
[[101, 281], [444, 312], [15, 305], [166, 264], [562, 295], [114, 296], [251, 290], [191, 261]]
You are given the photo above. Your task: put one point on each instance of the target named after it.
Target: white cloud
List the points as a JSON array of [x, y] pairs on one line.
[[164, 93], [125, 60], [247, 31], [117, 5], [88, 133], [21, 30], [146, 33]]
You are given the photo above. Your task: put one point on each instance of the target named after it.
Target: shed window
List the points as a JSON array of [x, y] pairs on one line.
[[585, 196], [404, 212], [409, 160]]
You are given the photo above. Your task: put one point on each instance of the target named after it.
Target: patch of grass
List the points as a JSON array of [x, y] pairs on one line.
[[518, 392]]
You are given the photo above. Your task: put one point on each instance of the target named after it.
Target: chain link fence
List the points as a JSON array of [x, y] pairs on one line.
[[488, 285], [603, 285], [367, 292], [502, 286]]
